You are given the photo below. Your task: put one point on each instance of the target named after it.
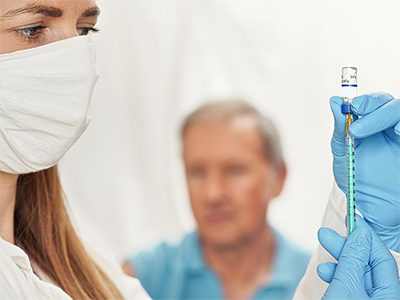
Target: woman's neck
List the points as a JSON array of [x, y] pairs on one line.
[[8, 192]]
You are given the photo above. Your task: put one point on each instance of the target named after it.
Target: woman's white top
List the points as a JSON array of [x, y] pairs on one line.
[[18, 281]]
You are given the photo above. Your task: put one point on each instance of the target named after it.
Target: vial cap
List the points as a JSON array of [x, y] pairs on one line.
[[349, 76]]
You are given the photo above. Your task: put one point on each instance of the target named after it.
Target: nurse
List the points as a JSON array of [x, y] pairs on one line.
[[47, 75]]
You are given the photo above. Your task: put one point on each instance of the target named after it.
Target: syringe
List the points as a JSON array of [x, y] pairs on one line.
[[349, 92]]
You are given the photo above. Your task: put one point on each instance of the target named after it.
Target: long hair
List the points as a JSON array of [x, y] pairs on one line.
[[43, 229]]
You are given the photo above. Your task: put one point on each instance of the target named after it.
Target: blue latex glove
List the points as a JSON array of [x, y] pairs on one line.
[[377, 161], [365, 269]]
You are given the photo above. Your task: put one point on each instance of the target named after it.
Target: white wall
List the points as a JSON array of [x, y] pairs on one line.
[[159, 59]]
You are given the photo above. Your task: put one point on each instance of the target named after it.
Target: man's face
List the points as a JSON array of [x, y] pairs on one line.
[[230, 180]]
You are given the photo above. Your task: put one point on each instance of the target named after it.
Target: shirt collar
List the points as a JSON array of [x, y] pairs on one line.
[[193, 255], [279, 276], [17, 255]]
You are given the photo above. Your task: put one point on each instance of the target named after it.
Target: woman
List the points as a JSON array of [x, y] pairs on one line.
[[44, 98]]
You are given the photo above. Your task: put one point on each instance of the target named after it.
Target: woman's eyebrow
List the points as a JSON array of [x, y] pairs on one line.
[[91, 12], [48, 11], [35, 9]]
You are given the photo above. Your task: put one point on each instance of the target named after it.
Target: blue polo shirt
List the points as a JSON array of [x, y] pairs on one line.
[[178, 271]]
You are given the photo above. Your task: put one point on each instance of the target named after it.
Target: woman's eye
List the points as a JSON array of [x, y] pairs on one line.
[[86, 30], [30, 33]]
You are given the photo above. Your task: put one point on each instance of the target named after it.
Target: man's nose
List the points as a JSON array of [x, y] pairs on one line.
[[214, 189]]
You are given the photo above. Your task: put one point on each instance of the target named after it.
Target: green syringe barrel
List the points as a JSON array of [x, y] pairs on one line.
[[350, 193]]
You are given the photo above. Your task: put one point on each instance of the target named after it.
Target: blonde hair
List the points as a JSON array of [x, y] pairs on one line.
[[44, 231]]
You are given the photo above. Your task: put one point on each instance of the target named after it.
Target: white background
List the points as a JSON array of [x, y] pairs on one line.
[[160, 59]]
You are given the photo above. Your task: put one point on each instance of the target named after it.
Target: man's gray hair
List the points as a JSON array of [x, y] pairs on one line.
[[231, 109]]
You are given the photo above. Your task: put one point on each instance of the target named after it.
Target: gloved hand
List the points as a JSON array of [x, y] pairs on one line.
[[365, 269], [377, 161]]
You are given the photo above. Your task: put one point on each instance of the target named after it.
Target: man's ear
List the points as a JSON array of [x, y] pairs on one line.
[[279, 180]]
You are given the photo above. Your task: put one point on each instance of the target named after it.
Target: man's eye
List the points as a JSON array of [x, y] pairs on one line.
[[196, 172], [235, 170], [86, 30]]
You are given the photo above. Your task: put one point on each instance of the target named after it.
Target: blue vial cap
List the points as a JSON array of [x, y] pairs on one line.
[[346, 108]]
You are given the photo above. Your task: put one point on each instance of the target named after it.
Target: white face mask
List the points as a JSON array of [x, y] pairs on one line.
[[44, 100]]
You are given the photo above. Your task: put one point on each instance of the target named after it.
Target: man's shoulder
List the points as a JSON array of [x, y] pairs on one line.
[[167, 253], [296, 251], [160, 268], [290, 263], [293, 255], [180, 247]]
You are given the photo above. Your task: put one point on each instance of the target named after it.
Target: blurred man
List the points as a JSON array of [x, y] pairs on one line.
[[234, 168]]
